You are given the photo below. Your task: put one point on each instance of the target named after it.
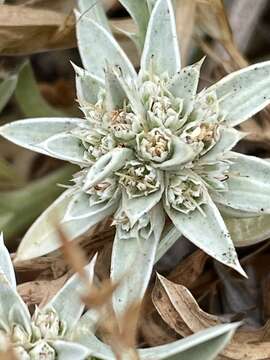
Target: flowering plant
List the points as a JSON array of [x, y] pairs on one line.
[[150, 147]]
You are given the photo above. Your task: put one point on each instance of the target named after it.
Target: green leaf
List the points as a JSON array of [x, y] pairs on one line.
[[243, 93], [184, 84], [98, 47], [134, 251], [6, 264], [249, 231], [248, 183], [67, 302], [29, 98], [19, 208], [30, 133], [161, 48], [115, 95], [7, 87], [140, 14], [207, 231], [93, 9], [12, 307], [42, 237], [88, 86]]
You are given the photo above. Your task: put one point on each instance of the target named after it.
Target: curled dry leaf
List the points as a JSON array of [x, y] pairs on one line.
[[179, 310]]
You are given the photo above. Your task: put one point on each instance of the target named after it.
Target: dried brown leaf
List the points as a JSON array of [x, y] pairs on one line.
[[179, 309], [8, 355], [246, 344], [188, 271], [185, 18], [40, 292]]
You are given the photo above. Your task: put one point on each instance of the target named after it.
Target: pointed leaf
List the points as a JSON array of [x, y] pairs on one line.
[[7, 88], [64, 146], [184, 84], [249, 186], [6, 264], [31, 132], [161, 45], [94, 10], [182, 153], [42, 237], [168, 239], [140, 14], [249, 231], [115, 94], [98, 47], [204, 345], [106, 165], [79, 208], [243, 93], [213, 236], [97, 348], [9, 298], [67, 302], [137, 206], [87, 86], [229, 137], [67, 350], [132, 262]]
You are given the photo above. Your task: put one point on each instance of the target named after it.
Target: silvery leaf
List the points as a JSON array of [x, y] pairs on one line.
[[6, 264], [9, 298], [137, 206], [168, 239], [64, 146], [67, 350], [249, 231], [130, 88], [228, 212], [243, 93], [140, 14], [19, 314], [94, 10], [185, 83], [7, 88], [229, 137], [79, 208], [67, 302], [249, 187], [207, 231], [204, 345], [161, 48], [182, 153], [106, 165], [42, 237], [115, 94], [138, 252], [87, 86], [98, 47], [31, 132]]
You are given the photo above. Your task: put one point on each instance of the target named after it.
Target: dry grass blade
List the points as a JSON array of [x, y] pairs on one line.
[[8, 355], [212, 20], [185, 18]]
